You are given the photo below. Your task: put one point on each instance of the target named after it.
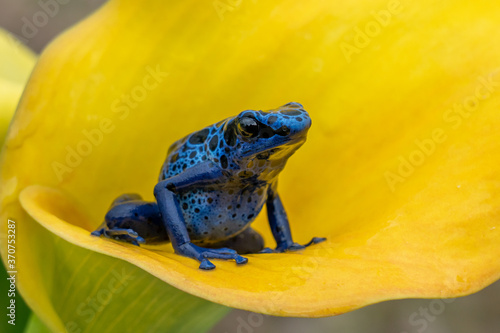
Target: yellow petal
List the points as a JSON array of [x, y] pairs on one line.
[[404, 185], [16, 60], [9, 96], [16, 63]]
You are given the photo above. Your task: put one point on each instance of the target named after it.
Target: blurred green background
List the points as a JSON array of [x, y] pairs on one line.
[[476, 313]]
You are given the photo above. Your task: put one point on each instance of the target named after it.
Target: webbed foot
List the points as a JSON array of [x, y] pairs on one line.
[[292, 246], [203, 254], [315, 240], [125, 235]]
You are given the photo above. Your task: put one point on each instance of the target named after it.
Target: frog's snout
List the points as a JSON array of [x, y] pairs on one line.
[[296, 119]]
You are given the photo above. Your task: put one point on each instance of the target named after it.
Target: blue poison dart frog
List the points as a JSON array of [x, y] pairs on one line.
[[213, 184]]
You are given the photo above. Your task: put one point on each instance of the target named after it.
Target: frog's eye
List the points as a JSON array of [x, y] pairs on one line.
[[248, 127]]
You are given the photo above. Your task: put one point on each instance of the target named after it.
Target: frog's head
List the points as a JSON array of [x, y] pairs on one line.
[[267, 138]]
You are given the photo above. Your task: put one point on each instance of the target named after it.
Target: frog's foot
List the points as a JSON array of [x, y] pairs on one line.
[[315, 240], [292, 246], [99, 231], [125, 235], [284, 248], [203, 254]]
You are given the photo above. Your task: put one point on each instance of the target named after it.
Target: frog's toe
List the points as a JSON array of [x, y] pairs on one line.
[[315, 240], [120, 232], [98, 232], [267, 250], [202, 254], [206, 265], [292, 247], [224, 254], [241, 260], [296, 246], [126, 235]]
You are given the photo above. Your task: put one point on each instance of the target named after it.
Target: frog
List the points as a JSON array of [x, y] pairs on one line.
[[212, 185]]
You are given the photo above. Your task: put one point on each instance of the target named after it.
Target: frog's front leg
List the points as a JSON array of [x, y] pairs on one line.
[[166, 197], [280, 227]]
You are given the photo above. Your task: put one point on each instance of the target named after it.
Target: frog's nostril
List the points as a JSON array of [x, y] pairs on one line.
[[283, 131]]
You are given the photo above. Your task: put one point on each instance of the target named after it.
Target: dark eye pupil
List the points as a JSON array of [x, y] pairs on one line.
[[249, 126]]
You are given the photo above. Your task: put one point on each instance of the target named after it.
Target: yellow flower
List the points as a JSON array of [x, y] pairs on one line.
[[16, 63], [400, 170]]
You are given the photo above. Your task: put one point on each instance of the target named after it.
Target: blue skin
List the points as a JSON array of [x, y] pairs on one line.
[[213, 184]]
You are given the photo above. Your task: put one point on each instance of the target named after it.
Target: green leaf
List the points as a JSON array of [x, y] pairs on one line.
[[35, 325], [22, 310], [97, 293]]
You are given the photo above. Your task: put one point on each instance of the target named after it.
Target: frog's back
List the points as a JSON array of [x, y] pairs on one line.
[[193, 149]]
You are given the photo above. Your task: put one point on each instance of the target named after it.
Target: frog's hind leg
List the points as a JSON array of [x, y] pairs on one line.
[[126, 197], [103, 228], [133, 220], [247, 241]]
